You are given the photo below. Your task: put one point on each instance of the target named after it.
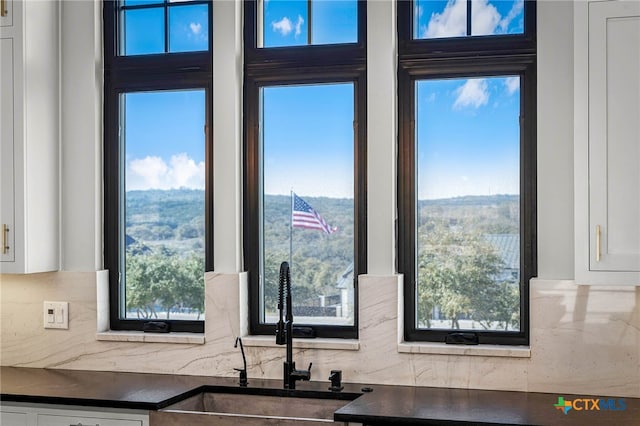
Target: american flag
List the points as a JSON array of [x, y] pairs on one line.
[[304, 216]]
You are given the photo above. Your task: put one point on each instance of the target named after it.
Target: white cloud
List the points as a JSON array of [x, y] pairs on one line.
[[285, 26], [146, 172], [299, 25], [516, 10], [185, 172], [512, 84], [485, 19], [153, 172], [474, 93], [196, 28], [452, 22]]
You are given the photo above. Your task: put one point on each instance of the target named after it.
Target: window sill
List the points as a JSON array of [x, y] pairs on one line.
[[317, 343], [141, 337], [473, 350]]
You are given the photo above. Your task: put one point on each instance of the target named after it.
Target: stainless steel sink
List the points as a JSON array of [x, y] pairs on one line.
[[222, 408]]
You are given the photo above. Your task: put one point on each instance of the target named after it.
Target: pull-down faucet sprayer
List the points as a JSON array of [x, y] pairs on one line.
[[284, 330]]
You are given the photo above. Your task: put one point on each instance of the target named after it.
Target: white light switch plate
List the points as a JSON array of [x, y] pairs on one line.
[[56, 315]]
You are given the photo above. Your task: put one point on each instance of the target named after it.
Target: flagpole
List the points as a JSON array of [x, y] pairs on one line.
[[291, 231]]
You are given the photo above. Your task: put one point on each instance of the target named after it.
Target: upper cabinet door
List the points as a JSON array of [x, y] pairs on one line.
[[6, 13], [607, 132], [7, 248], [614, 134], [29, 139]]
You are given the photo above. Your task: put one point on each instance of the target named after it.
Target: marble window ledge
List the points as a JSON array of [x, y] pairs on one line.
[[317, 343], [473, 350], [139, 336]]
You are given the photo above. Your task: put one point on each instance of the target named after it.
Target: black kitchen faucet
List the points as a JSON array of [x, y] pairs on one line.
[[284, 330]]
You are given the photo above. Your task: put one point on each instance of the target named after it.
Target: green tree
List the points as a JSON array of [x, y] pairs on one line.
[[139, 295], [457, 272], [501, 305], [167, 281]]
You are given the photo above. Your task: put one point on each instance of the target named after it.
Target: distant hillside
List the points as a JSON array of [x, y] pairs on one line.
[[175, 218], [471, 200], [167, 221], [491, 214], [171, 207]]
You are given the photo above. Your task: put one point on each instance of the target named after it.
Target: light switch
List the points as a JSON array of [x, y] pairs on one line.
[[56, 315]]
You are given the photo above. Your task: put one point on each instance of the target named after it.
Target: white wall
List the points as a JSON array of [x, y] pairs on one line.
[[583, 339], [555, 139], [81, 136]]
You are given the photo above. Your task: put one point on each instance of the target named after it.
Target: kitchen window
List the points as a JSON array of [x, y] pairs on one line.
[[304, 157], [467, 169], [157, 162]]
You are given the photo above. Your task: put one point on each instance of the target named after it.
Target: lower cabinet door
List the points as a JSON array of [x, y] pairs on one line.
[[13, 419], [64, 420]]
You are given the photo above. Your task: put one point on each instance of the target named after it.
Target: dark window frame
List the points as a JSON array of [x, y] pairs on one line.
[[137, 73], [310, 64], [465, 57]]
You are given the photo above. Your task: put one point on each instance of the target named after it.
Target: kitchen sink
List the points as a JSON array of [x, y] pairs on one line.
[[252, 407]]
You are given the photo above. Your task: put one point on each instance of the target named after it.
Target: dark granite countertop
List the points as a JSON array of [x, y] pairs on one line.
[[96, 388], [445, 406], [384, 405]]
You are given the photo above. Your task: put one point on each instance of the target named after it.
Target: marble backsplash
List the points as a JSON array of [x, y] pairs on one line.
[[584, 339]]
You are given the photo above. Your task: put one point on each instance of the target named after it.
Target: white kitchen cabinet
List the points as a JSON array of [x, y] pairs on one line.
[[72, 420], [607, 142], [27, 414], [6, 13], [29, 137], [6, 149], [9, 418]]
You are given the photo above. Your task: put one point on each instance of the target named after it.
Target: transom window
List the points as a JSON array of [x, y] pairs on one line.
[[163, 26], [461, 18], [306, 22]]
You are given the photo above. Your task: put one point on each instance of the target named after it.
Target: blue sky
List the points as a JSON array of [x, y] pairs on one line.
[[467, 130], [468, 136], [308, 140], [164, 136]]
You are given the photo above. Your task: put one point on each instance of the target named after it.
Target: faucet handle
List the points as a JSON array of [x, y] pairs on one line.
[[242, 377], [307, 374], [281, 338], [299, 375], [336, 381]]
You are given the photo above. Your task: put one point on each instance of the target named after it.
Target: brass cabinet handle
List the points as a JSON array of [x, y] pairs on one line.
[[5, 232], [3, 8], [598, 232]]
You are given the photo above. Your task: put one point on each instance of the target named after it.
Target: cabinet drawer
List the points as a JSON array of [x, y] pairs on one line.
[[65, 420]]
